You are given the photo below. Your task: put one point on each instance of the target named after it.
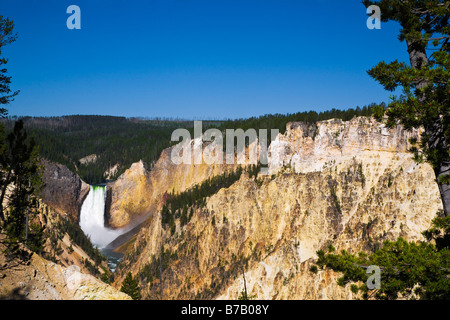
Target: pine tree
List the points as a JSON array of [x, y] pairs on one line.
[[425, 82], [130, 286], [407, 268], [21, 170], [23, 178], [7, 36]]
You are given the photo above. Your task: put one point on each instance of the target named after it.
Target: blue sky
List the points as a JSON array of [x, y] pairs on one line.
[[196, 59]]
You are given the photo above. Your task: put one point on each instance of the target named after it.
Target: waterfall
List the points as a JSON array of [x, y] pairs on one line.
[[92, 218]]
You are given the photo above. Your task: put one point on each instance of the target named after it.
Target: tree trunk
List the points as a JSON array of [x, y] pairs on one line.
[[2, 195], [442, 169], [444, 189], [417, 54], [418, 59]]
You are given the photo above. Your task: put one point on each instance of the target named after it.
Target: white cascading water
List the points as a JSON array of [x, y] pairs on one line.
[[92, 218]]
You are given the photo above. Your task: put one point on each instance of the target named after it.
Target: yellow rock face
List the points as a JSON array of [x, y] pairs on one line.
[[138, 193], [129, 196], [354, 184]]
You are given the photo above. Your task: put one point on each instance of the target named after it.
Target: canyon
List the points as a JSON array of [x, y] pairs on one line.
[[352, 184]]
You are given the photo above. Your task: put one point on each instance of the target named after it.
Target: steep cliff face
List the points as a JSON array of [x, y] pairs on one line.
[[40, 279], [66, 277], [309, 148], [63, 190], [352, 183], [138, 193], [58, 244]]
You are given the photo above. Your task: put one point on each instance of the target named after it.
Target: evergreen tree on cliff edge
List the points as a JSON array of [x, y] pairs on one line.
[[425, 101], [7, 36], [19, 169], [414, 270], [130, 286]]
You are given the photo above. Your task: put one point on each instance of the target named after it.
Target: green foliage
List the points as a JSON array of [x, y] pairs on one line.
[[115, 140], [314, 269], [35, 241], [14, 249], [123, 141], [7, 36], [279, 121], [426, 82], [245, 296], [20, 172], [180, 206], [390, 180], [439, 232], [177, 206], [421, 268], [156, 266], [17, 162], [78, 237], [14, 228], [154, 269], [361, 174], [107, 276], [92, 268], [334, 196]]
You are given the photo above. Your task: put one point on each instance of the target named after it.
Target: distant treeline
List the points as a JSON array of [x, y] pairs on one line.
[[115, 140], [279, 121], [122, 141]]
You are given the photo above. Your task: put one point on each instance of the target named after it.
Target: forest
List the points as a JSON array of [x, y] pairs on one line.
[[114, 140], [279, 121], [90, 145]]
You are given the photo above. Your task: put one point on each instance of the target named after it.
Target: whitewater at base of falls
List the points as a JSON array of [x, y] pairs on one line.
[[92, 218]]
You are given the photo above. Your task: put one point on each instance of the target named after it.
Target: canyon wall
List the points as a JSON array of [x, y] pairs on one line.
[[138, 193], [352, 184], [63, 190]]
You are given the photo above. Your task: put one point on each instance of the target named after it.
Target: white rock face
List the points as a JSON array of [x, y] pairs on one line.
[[335, 141]]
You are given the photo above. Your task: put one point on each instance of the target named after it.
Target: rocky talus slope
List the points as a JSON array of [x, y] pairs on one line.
[[353, 184]]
